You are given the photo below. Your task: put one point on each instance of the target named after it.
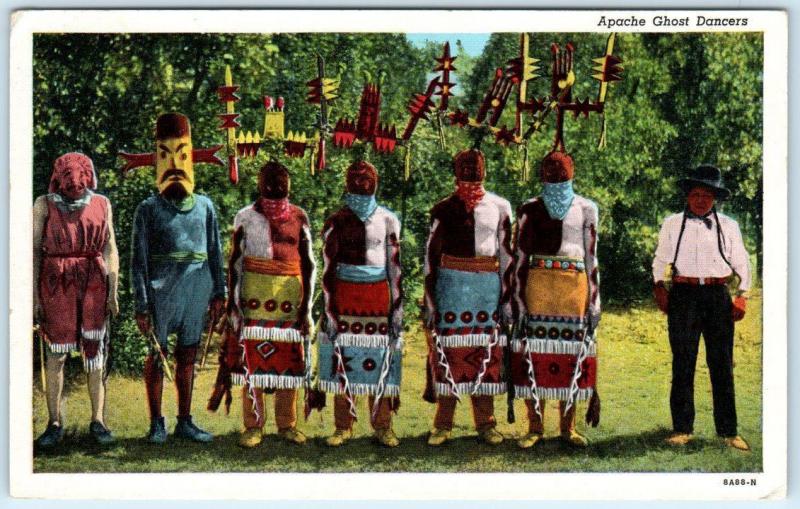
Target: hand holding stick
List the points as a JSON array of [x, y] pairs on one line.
[[155, 344], [208, 342], [215, 314]]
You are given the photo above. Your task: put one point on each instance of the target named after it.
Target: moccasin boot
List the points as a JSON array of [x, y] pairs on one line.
[[339, 437], [250, 438], [438, 437], [491, 436], [529, 440], [574, 438], [387, 437], [292, 435]]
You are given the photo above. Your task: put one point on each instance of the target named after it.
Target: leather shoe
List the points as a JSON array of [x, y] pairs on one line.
[[51, 436], [185, 428], [737, 442], [158, 431], [679, 439], [100, 433]]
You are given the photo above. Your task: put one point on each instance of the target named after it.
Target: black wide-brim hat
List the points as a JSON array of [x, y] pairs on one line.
[[708, 176]]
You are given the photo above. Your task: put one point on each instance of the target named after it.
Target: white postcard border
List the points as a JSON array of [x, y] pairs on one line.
[[770, 484]]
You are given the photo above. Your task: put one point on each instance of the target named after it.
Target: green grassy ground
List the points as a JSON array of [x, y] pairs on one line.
[[634, 380]]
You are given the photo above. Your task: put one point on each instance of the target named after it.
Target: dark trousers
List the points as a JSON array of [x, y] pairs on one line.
[[706, 310]]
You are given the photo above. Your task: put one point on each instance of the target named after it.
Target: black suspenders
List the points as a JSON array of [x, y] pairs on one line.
[[678, 246], [720, 239]]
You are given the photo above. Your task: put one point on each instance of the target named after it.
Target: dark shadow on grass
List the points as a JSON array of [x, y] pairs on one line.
[[360, 454]]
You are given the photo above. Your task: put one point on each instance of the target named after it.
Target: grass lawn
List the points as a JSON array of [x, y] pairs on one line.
[[634, 381]]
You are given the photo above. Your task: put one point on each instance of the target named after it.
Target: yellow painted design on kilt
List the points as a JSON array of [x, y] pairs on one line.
[[556, 292], [259, 289]]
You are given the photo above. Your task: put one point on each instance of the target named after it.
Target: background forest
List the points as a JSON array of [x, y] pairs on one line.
[[684, 99]]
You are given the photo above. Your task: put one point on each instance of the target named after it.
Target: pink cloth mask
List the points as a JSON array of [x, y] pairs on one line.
[[66, 181]]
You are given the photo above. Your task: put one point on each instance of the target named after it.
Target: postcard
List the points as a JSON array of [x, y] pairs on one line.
[[398, 254]]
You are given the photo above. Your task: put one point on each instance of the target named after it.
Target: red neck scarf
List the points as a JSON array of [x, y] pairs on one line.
[[274, 210], [470, 193]]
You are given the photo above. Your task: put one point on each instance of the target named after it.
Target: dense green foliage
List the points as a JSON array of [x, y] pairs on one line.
[[685, 99]]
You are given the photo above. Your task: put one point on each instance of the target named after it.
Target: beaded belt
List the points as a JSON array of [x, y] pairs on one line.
[[556, 262]]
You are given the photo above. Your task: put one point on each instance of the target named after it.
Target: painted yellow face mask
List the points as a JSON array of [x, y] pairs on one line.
[[174, 156], [174, 163]]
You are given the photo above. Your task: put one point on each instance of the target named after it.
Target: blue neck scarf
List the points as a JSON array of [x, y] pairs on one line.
[[558, 198], [362, 205]]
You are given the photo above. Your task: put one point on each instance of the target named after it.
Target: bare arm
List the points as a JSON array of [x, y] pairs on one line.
[[308, 270], [235, 273], [330, 251], [433, 257], [394, 271], [521, 269], [39, 218], [506, 257], [590, 261], [111, 259]]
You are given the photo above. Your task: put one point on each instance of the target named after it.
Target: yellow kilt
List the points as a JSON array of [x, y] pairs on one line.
[[270, 296], [556, 292]]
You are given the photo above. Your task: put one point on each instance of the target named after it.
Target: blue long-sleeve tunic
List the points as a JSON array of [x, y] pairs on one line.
[[176, 265]]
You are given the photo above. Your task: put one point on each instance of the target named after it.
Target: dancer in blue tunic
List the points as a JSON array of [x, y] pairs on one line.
[[176, 270]]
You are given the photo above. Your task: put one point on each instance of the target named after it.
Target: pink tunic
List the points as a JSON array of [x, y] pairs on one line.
[[73, 282]]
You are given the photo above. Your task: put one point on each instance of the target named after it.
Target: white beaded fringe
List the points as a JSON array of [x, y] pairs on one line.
[[289, 335], [268, 381], [553, 393], [358, 389]]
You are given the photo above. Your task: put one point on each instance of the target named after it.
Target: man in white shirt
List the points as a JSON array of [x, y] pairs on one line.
[[700, 250]]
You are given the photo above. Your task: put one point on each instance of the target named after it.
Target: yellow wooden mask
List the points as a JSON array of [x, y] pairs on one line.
[[174, 163], [174, 155]]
